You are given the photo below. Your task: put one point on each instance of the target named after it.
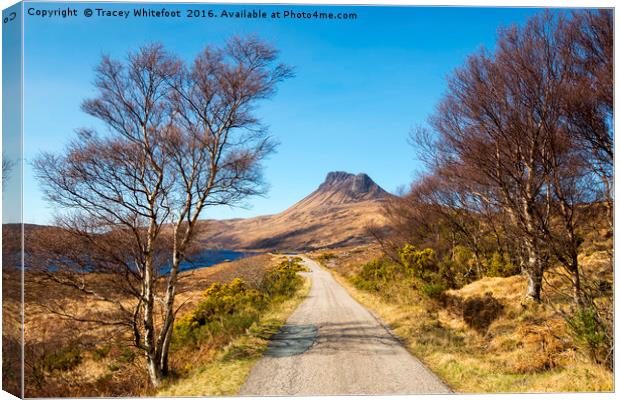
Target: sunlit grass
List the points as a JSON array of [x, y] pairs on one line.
[[227, 370], [524, 350]]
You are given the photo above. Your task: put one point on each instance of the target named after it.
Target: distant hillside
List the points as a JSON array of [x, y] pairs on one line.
[[336, 214]]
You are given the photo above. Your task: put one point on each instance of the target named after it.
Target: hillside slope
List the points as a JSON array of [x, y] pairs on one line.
[[337, 213]]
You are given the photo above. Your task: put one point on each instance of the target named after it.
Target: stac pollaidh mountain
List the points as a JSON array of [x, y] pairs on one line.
[[336, 214]]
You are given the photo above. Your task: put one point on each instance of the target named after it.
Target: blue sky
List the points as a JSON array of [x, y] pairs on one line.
[[360, 85]]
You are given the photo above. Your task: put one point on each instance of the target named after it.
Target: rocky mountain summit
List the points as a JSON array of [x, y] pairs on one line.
[[337, 213], [353, 188]]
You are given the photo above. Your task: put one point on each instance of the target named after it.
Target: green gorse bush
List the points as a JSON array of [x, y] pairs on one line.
[[229, 309]]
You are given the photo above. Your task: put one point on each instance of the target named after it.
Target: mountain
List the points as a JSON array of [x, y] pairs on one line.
[[341, 188], [336, 214]]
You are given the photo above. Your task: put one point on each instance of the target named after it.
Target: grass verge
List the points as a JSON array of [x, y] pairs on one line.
[[228, 369], [524, 350]]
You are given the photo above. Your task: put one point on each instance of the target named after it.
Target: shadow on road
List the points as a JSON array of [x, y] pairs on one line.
[[355, 337], [330, 338], [292, 340]]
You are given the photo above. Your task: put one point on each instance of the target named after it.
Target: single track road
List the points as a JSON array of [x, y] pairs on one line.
[[332, 345]]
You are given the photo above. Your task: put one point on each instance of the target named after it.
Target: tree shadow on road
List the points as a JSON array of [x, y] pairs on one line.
[[331, 338]]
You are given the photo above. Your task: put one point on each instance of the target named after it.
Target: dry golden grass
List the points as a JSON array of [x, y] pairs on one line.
[[526, 349], [46, 332], [222, 372], [11, 330]]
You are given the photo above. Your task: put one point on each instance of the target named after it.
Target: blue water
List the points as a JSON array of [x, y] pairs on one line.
[[203, 259], [208, 258]]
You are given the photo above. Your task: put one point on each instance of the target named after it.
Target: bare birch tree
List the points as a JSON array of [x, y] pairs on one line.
[[503, 123], [180, 139], [588, 100]]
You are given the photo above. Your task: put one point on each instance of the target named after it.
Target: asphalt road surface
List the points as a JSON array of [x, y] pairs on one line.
[[331, 345]]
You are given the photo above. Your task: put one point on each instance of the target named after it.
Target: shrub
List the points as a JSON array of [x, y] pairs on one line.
[[283, 281], [589, 331], [377, 273], [453, 274], [226, 299], [463, 267], [231, 308], [296, 265], [501, 265], [419, 263], [433, 290], [63, 359], [423, 265], [419, 269], [462, 255]]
